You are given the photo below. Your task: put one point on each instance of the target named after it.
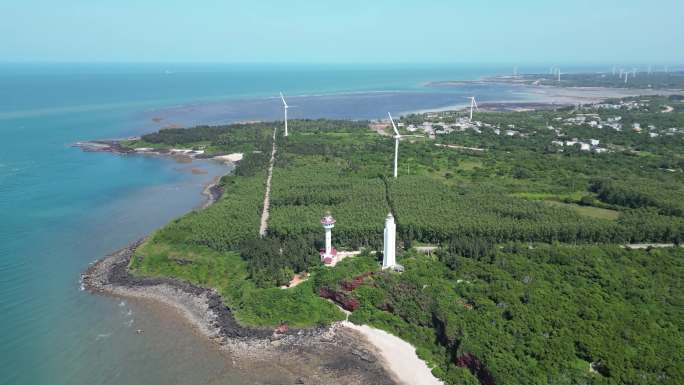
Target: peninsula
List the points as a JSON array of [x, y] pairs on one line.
[[535, 247]]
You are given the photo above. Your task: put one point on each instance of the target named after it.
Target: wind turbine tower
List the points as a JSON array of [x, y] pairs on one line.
[[559, 74], [285, 107], [473, 105], [397, 138]]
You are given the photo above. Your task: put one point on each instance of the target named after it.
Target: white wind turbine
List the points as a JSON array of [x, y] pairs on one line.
[[473, 105], [285, 107], [397, 138]]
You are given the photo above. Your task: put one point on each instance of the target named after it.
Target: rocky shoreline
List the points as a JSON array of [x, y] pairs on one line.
[[113, 146], [326, 355], [213, 191]]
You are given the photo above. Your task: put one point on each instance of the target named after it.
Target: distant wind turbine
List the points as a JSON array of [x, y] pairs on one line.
[[559, 74], [473, 105], [397, 138], [285, 107]]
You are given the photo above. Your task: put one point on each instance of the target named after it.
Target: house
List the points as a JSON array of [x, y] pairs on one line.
[[594, 142]]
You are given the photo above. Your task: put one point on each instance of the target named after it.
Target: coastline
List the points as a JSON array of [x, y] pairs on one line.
[[356, 360], [213, 191], [333, 354], [205, 310], [400, 355]]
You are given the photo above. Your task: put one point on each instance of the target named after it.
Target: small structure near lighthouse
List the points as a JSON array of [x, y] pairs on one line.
[[329, 255], [389, 259]]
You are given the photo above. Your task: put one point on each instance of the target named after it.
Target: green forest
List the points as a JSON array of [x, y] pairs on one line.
[[532, 280]]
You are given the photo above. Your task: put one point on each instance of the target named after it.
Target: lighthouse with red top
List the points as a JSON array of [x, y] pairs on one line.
[[328, 255]]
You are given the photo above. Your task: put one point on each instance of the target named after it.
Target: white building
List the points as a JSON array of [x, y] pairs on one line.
[[389, 259], [594, 142], [328, 255]]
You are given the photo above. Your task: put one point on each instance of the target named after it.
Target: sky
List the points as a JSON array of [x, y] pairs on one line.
[[349, 31]]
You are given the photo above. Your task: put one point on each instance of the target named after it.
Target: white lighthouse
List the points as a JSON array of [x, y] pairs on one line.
[[329, 254], [389, 251]]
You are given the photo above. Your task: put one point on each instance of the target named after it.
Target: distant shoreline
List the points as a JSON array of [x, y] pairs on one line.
[[545, 96]]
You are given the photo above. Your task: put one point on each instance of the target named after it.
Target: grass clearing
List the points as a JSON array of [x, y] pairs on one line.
[[469, 165], [589, 211]]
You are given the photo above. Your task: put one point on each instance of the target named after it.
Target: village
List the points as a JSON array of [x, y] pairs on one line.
[[607, 115]]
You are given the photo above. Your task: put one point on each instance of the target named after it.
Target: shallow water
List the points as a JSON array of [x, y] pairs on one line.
[[62, 208]]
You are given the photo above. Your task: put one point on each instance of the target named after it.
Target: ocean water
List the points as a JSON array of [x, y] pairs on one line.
[[61, 208]]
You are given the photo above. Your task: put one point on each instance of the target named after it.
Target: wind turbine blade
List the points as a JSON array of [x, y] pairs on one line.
[[283, 99], [476, 107], [396, 132]]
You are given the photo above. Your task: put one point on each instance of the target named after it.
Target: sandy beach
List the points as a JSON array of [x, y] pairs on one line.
[[400, 356]]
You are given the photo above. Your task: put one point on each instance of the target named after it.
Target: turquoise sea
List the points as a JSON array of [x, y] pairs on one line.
[[61, 208]]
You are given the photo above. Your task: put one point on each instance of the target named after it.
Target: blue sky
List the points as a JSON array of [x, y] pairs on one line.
[[496, 31]]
